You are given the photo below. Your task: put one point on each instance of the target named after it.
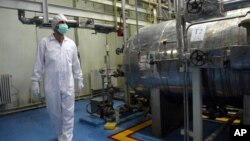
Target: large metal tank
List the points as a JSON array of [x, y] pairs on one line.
[[151, 60]]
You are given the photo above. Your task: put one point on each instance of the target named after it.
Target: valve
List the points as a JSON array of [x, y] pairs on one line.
[[198, 58], [194, 6]]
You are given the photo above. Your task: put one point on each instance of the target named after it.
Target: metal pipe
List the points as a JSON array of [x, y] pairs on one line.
[[213, 135], [38, 21], [68, 11], [110, 3], [22, 18], [76, 30], [170, 8], [181, 33], [248, 35], [124, 23], [180, 25], [197, 104], [186, 103], [127, 92], [45, 11], [115, 13], [107, 62], [153, 3], [171, 5], [137, 26], [159, 11]]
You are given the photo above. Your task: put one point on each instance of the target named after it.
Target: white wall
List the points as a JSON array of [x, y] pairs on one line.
[[18, 45], [17, 51]]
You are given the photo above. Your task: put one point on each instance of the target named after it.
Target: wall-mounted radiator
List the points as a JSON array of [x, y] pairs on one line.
[[5, 86]]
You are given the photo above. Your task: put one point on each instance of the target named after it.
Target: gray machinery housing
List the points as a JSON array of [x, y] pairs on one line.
[[220, 47]]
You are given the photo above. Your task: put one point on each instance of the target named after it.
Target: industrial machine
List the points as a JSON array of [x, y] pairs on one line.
[[219, 48], [102, 103]]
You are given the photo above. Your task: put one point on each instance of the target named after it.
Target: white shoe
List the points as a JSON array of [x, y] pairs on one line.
[[60, 138]]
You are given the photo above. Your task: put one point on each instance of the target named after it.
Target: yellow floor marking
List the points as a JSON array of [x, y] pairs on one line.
[[237, 121], [125, 135], [223, 119]]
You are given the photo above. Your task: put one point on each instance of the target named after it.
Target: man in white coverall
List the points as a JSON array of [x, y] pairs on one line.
[[57, 61]]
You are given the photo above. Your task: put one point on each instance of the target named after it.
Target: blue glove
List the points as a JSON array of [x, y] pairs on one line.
[[80, 85], [35, 87]]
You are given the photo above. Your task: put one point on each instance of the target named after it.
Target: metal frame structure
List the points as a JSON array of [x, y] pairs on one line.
[[119, 5], [43, 7]]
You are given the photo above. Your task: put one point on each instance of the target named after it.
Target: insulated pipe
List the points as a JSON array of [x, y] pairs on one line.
[[213, 135], [217, 19], [180, 27]]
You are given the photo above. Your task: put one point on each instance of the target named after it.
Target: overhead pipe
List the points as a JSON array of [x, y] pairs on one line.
[[38, 21], [34, 6], [24, 20]]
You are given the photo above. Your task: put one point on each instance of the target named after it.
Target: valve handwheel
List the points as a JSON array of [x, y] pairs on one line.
[[194, 6], [198, 58]]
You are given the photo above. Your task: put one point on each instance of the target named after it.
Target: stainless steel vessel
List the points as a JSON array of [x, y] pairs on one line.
[[151, 59]]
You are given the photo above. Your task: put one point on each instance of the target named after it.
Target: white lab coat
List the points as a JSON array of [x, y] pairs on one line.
[[60, 65]]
